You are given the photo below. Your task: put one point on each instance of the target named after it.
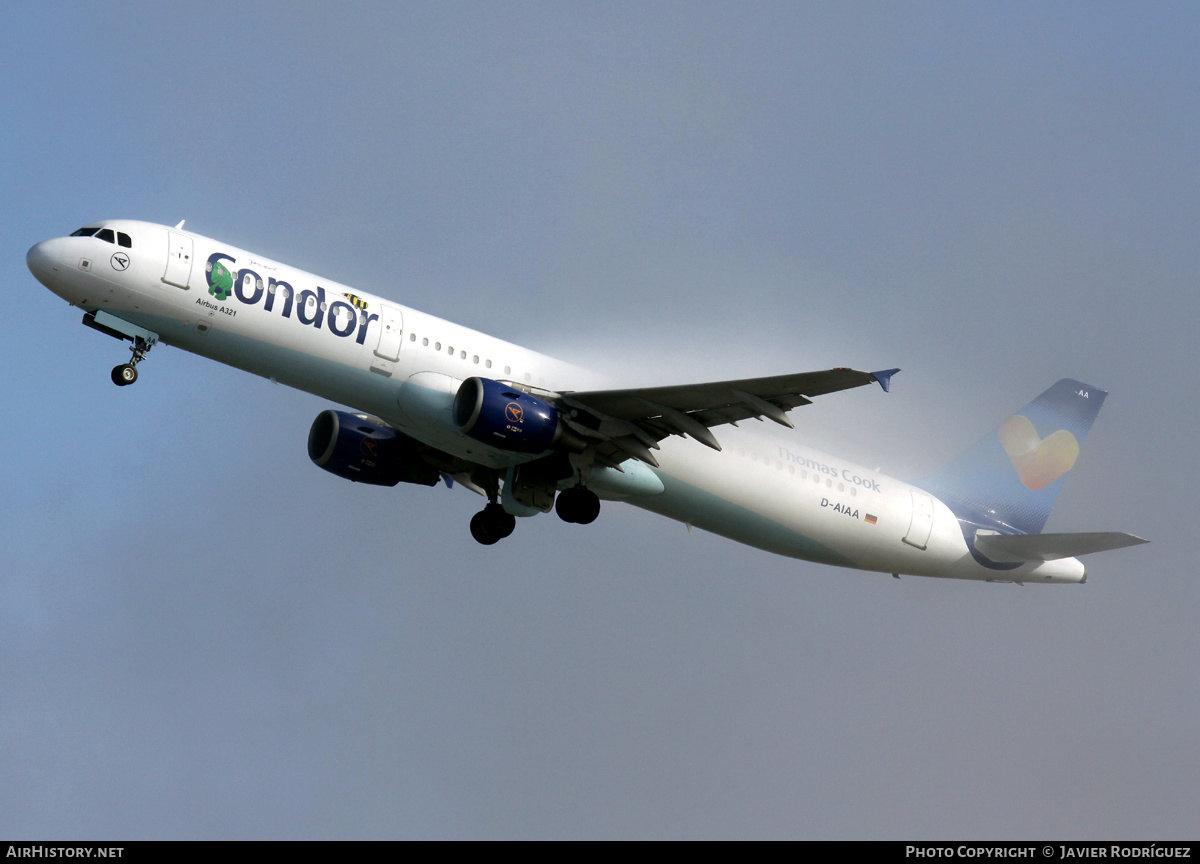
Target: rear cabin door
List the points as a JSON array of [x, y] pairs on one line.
[[179, 260], [922, 520]]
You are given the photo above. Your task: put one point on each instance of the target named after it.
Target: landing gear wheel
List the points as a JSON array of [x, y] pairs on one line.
[[589, 507], [503, 522], [492, 524], [577, 505], [124, 374], [565, 505], [481, 529]]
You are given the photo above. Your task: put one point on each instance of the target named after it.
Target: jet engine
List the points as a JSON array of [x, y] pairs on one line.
[[508, 418], [356, 447]]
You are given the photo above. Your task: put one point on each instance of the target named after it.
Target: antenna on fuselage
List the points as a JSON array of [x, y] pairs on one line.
[[180, 225]]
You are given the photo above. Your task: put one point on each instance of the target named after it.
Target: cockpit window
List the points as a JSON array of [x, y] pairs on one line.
[[84, 232], [124, 240], [106, 234]]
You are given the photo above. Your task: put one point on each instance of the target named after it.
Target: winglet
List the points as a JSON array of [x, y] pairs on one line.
[[884, 377], [448, 480]]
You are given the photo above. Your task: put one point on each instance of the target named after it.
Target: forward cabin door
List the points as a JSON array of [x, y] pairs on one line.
[[179, 260], [391, 329], [922, 520]]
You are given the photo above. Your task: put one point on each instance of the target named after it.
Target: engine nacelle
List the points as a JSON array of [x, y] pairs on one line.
[[505, 417], [355, 447]]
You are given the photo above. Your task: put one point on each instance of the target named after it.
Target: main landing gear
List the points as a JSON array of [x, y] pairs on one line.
[[578, 505], [126, 373], [492, 524]]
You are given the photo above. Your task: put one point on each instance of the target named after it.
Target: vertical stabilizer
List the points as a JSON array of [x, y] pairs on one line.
[[1010, 478]]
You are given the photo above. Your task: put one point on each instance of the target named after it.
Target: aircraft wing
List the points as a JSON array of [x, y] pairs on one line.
[[624, 423]]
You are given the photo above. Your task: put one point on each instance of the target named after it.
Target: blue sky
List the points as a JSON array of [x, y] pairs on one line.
[[202, 635]]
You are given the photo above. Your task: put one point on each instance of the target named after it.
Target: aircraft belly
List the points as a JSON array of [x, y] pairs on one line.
[[811, 514], [755, 504], [704, 509]]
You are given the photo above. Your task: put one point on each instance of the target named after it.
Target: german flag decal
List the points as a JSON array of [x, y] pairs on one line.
[[870, 519], [356, 301]]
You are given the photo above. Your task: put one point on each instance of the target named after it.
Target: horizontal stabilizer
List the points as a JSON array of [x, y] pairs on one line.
[[1048, 547]]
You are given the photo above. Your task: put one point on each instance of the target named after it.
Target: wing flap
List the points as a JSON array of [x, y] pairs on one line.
[[787, 391], [624, 423]]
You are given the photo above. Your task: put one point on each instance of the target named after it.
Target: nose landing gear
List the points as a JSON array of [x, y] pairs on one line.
[[126, 373], [118, 328]]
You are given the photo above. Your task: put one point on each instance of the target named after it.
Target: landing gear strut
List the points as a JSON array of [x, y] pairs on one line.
[[578, 505], [126, 373]]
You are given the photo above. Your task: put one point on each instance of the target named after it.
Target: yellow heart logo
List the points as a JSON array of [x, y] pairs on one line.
[[1039, 461]]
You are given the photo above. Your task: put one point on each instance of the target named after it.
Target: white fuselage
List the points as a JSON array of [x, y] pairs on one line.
[[405, 366]]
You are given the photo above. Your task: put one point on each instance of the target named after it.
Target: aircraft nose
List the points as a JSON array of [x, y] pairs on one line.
[[40, 260]]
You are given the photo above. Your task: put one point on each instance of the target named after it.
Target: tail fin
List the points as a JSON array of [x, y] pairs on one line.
[[1011, 477]]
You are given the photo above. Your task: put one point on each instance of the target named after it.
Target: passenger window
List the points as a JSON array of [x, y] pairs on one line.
[[124, 240], [437, 346], [507, 370], [488, 364], [425, 342], [412, 337], [462, 355], [106, 234], [450, 350], [84, 232]]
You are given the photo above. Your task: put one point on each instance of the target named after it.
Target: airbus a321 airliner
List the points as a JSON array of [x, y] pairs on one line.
[[437, 402]]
